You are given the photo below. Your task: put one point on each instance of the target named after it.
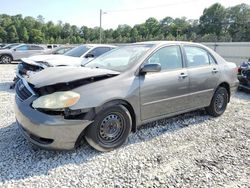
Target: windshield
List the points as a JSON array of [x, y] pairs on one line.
[[77, 51], [120, 59]]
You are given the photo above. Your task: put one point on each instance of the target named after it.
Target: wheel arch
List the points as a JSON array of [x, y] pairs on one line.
[[8, 54], [124, 103], [227, 87]]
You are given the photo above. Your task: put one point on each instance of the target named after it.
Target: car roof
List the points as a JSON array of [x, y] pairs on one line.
[[100, 45], [167, 42]]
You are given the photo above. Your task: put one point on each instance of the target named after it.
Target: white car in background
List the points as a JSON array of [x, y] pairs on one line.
[[77, 56]]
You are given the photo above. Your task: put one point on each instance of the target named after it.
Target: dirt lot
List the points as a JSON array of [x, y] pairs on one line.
[[191, 150]]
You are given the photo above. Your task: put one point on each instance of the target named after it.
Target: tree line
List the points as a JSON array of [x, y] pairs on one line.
[[217, 23]]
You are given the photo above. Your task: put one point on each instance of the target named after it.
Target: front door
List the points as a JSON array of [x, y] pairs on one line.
[[20, 52], [164, 92]]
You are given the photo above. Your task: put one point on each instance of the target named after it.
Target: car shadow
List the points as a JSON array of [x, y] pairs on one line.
[[20, 160], [5, 87]]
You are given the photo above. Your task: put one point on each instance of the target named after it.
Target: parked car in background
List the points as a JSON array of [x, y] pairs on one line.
[[52, 46], [2, 45], [244, 75], [16, 52], [75, 57], [59, 50], [114, 94], [9, 46]]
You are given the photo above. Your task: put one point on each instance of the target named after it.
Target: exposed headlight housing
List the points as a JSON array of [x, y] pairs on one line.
[[44, 64], [57, 100]]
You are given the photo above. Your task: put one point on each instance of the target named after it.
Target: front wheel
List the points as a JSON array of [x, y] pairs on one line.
[[219, 102], [110, 128], [5, 59]]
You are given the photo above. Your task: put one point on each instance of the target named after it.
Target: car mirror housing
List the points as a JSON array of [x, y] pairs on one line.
[[155, 67]]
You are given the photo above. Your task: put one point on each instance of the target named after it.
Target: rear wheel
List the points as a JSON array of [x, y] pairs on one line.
[[110, 128], [5, 59], [219, 102]]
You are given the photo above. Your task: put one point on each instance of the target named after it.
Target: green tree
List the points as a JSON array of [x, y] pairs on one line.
[[36, 36], [213, 20], [134, 35], [152, 28], [23, 35], [3, 35], [238, 18], [12, 34]]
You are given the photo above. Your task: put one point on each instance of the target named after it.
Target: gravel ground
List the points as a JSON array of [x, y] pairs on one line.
[[191, 150]]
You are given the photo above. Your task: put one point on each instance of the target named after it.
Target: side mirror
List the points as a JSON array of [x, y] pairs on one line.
[[155, 67], [89, 55]]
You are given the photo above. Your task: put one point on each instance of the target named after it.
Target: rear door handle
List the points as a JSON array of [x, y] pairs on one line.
[[183, 75], [214, 70]]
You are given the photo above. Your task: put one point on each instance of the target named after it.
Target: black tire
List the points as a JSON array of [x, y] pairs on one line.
[[218, 103], [110, 129], [5, 59]]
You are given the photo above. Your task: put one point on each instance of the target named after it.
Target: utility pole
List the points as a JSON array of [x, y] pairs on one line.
[[101, 13], [100, 39]]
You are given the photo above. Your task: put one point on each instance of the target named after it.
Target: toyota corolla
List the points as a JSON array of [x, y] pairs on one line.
[[125, 88]]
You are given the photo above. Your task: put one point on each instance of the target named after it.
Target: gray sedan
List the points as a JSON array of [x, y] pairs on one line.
[[18, 51], [125, 88]]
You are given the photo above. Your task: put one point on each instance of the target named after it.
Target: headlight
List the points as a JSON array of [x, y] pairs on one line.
[[57, 100]]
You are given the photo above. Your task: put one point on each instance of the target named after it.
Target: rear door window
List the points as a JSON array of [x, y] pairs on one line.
[[196, 56], [35, 47]]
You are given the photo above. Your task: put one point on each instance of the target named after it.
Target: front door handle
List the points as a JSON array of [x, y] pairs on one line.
[[214, 70], [183, 75]]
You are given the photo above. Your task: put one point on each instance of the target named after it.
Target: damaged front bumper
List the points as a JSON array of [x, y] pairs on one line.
[[44, 130]]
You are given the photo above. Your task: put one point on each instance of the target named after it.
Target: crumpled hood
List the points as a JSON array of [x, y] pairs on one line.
[[57, 60], [56, 75]]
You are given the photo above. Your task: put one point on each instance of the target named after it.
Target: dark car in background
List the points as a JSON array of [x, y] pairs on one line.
[[244, 75]]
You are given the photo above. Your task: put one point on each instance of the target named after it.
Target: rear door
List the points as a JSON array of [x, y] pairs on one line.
[[203, 73], [164, 92], [35, 49]]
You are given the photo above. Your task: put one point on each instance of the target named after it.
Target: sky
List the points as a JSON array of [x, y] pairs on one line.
[[131, 12]]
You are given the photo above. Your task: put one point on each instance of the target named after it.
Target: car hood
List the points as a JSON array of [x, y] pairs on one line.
[[57, 75], [57, 60]]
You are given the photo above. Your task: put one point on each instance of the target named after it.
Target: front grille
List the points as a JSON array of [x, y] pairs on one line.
[[22, 91]]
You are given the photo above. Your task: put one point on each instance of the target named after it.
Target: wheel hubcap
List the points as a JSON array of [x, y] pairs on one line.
[[219, 102], [6, 59], [111, 128]]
